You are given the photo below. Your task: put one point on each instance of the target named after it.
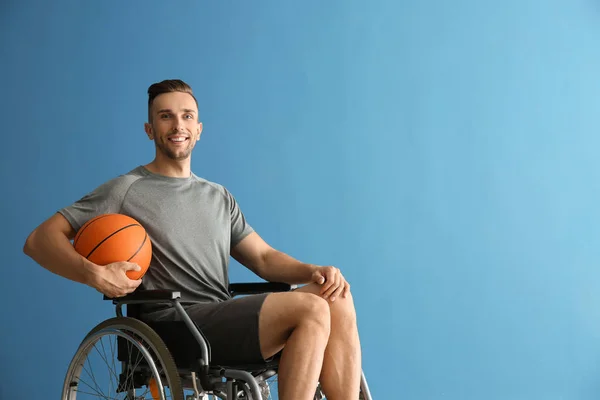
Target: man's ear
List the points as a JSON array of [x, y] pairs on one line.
[[199, 130], [148, 129]]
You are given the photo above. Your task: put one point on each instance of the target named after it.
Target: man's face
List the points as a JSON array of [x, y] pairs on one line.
[[174, 128]]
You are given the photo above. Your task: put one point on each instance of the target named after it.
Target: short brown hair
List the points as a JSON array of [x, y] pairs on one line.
[[167, 86]]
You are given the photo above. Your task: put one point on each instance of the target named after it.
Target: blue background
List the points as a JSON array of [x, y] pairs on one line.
[[443, 154]]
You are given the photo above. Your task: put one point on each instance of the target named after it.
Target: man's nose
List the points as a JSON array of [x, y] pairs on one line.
[[178, 125]]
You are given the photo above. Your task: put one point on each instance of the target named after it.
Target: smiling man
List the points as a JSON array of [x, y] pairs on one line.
[[195, 226]]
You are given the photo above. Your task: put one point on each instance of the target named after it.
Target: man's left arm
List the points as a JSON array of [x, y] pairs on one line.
[[275, 266]]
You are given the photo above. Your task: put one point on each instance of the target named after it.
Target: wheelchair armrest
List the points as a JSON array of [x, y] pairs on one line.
[[146, 296], [259, 287]]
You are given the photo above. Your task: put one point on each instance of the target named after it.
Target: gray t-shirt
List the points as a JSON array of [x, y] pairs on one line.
[[192, 223]]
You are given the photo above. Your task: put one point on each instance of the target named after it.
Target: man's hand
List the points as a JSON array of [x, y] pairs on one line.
[[332, 281], [112, 280]]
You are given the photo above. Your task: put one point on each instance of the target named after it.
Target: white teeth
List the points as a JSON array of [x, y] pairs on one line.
[[177, 139]]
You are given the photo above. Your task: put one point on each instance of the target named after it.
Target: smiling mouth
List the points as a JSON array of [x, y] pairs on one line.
[[178, 139]]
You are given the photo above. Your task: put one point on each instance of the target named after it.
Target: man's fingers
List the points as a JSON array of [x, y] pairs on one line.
[[329, 281], [134, 284], [339, 290], [132, 267], [319, 278], [335, 283], [346, 290], [325, 281]]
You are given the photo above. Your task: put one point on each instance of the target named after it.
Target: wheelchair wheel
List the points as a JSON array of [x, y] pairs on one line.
[[122, 358]]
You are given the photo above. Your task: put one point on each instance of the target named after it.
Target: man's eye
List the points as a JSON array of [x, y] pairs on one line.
[[189, 116], [163, 116]]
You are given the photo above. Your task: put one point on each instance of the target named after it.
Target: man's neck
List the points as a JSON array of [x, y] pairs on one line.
[[174, 169]]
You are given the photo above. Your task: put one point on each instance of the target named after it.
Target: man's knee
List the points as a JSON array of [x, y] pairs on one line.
[[314, 311], [284, 313], [342, 310]]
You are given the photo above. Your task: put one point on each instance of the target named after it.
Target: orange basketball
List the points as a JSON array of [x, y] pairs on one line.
[[110, 238]]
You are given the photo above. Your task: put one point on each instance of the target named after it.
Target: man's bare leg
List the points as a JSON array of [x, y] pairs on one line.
[[298, 323], [341, 372]]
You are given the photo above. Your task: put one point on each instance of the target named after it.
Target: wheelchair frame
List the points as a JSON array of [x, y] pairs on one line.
[[211, 376]]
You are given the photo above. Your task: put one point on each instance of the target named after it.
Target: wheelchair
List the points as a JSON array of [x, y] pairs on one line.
[[166, 360]]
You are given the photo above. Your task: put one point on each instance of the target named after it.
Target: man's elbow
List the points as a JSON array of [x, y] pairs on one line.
[[266, 264], [29, 246], [258, 269]]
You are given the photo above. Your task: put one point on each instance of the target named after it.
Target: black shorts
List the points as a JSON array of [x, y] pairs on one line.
[[231, 327]]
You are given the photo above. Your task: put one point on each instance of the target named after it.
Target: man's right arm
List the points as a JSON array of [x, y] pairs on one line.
[[49, 245]]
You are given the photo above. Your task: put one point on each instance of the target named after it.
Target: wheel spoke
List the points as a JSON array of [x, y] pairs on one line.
[[113, 371], [97, 394], [91, 374]]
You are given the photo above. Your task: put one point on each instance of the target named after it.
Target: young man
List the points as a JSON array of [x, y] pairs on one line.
[[195, 226]]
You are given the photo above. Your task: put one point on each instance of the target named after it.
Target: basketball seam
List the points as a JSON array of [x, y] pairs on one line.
[[109, 236], [140, 248], [87, 226]]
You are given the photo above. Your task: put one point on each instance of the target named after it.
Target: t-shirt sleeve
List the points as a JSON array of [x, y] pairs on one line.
[[105, 199], [240, 228]]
